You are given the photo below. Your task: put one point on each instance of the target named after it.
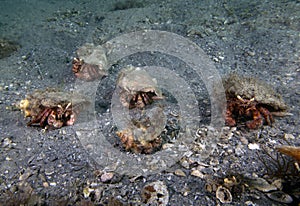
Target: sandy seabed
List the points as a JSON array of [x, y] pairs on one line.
[[254, 38]]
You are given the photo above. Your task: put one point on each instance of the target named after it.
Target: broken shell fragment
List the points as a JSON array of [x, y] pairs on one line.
[[260, 184], [179, 172], [281, 197], [224, 195], [87, 191], [137, 88], [291, 151], [155, 193], [91, 62]]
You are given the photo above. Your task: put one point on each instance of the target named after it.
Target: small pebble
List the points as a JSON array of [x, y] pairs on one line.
[[221, 58], [7, 142], [53, 184], [251, 53], [253, 146], [8, 159], [49, 171], [45, 184], [106, 176], [229, 151], [185, 191], [288, 137], [244, 140], [215, 59]]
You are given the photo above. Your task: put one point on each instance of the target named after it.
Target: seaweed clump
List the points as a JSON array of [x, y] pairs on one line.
[[278, 165], [282, 166]]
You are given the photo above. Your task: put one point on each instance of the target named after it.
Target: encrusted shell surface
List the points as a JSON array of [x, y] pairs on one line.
[[91, 63], [91, 54], [143, 131], [249, 87], [149, 125], [35, 102], [134, 79]]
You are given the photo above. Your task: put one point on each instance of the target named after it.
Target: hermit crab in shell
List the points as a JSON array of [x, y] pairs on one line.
[[51, 108], [252, 101], [136, 88], [90, 63], [141, 135]]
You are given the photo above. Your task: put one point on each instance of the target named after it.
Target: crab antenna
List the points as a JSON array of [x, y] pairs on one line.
[[252, 99], [240, 98], [68, 105]]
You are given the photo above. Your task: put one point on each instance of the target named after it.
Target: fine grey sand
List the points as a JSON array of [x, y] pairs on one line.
[[259, 39]]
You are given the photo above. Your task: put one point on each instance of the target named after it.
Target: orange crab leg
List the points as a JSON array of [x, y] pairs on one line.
[[267, 115], [41, 118], [257, 120]]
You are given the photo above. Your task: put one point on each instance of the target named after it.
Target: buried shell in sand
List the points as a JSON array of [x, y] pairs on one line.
[[142, 134]]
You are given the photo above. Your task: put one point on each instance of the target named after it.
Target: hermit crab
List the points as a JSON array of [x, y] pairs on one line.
[[141, 135], [90, 63], [251, 100], [137, 88], [51, 108]]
